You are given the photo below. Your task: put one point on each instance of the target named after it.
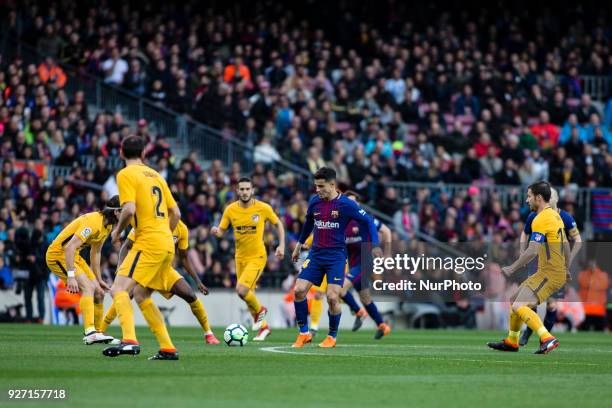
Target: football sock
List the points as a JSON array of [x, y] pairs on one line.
[[514, 330], [252, 302], [316, 310], [198, 311], [534, 322], [550, 319], [109, 317], [87, 309], [334, 322], [98, 315], [155, 321], [374, 313], [301, 315], [126, 316], [349, 299]]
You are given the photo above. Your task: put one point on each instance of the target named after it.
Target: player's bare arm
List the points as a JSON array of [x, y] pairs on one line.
[[182, 253], [95, 256], [280, 250], [127, 212], [174, 216], [71, 249], [530, 253], [125, 248], [523, 242]]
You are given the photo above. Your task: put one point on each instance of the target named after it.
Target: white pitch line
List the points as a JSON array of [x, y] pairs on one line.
[[278, 349]]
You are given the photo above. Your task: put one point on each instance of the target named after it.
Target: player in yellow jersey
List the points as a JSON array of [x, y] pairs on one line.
[[147, 203], [64, 260], [181, 288], [248, 216], [549, 244]]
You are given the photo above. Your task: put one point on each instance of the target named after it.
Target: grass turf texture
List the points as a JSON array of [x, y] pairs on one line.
[[408, 368]]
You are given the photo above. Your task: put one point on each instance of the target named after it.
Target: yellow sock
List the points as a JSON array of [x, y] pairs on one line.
[[155, 321], [87, 309], [252, 302], [534, 322], [111, 315], [126, 316], [316, 310], [98, 314], [515, 328], [197, 308]]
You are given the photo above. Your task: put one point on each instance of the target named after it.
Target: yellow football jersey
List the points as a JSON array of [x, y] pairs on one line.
[[88, 227], [547, 229], [248, 224], [180, 236], [149, 191]]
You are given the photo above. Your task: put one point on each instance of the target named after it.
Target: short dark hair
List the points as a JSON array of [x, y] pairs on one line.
[[352, 193], [132, 147], [325, 173], [245, 180], [541, 188]]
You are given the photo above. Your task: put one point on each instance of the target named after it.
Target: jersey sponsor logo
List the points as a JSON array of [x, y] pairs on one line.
[[353, 240], [255, 217], [327, 224], [86, 232], [246, 229], [317, 213]]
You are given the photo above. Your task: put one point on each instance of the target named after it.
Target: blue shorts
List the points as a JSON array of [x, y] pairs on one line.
[[324, 262], [354, 275]]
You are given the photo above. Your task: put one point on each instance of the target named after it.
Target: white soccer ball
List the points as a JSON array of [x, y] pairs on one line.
[[236, 335]]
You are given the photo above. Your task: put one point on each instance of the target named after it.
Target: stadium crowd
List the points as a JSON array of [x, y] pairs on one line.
[[494, 100], [495, 97]]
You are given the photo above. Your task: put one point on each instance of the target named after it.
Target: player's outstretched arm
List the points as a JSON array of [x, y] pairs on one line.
[[575, 248], [530, 253]]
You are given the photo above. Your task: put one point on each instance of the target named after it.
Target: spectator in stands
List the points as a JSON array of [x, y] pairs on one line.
[[52, 74], [593, 291]]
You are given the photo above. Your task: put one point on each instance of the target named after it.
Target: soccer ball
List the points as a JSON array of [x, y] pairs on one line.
[[236, 335]]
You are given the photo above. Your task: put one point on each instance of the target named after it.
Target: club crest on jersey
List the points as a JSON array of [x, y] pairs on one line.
[[335, 214], [255, 217], [86, 232]]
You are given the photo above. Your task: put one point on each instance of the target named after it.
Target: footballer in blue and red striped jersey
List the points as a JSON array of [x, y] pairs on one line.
[[327, 216], [358, 266]]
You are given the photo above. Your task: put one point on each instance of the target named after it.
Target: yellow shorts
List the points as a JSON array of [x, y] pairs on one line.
[[175, 276], [545, 284], [151, 270], [57, 264], [249, 271], [322, 288]]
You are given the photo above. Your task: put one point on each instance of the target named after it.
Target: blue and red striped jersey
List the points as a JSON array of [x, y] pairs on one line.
[[353, 241], [327, 220]]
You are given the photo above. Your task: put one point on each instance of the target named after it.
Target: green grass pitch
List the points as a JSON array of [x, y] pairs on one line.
[[407, 368]]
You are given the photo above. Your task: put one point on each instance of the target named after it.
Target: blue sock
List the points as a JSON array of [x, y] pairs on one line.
[[301, 315], [334, 322], [349, 299], [374, 314], [550, 319]]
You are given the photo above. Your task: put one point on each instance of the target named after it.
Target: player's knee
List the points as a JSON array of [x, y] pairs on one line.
[[333, 298], [365, 297], [188, 296], [300, 294], [98, 297], [87, 288], [318, 295], [139, 297], [242, 291]]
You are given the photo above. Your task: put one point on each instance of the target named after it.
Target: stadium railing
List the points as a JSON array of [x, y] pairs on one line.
[[598, 87]]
